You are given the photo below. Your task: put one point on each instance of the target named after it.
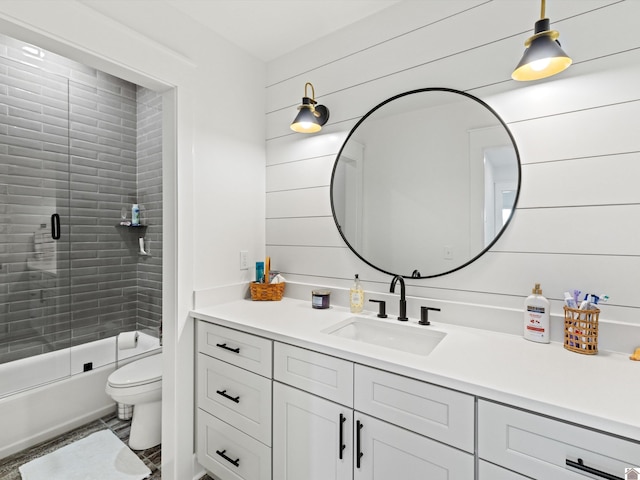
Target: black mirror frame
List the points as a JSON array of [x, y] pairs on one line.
[[416, 273]]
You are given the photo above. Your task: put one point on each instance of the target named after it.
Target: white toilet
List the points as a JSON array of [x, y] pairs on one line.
[[139, 383]]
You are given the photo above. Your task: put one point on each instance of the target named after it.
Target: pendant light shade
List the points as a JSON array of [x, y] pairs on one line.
[[544, 56], [311, 116]]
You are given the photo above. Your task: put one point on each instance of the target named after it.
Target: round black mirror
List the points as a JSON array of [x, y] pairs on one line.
[[425, 183]]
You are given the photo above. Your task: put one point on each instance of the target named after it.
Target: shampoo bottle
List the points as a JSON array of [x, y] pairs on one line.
[[536, 316], [135, 214], [356, 296]]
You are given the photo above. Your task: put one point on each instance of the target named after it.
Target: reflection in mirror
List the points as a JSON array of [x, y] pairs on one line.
[[425, 183]]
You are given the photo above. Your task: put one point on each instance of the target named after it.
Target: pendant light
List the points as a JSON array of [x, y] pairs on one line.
[[543, 56], [311, 116]]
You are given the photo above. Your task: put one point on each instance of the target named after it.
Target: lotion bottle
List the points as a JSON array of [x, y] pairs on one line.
[[536, 316], [356, 296]]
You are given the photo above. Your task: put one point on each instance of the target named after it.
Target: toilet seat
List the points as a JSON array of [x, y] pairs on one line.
[[141, 372]]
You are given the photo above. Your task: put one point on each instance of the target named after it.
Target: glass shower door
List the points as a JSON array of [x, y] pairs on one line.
[[34, 222]]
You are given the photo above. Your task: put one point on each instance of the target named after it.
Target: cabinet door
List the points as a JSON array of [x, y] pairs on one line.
[[310, 435], [385, 451]]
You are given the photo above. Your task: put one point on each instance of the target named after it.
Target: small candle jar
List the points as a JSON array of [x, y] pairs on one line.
[[320, 298]]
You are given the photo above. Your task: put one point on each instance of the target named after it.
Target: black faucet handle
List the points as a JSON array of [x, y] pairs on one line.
[[424, 315], [382, 307]]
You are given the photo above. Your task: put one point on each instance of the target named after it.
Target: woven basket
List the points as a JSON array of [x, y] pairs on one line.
[[581, 330], [266, 291]]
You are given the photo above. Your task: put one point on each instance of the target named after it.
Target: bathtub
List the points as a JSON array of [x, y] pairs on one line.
[[66, 397]]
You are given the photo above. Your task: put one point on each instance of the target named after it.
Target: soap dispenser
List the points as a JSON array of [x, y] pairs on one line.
[[536, 316], [356, 296]]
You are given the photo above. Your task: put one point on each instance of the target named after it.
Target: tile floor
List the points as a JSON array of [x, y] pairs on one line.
[[151, 457]]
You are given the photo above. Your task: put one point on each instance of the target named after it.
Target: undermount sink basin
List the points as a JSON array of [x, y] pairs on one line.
[[396, 336]]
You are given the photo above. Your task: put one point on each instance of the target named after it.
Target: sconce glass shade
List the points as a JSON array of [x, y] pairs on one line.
[[543, 57], [311, 117]]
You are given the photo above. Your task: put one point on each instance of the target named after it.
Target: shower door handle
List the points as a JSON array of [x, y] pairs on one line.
[[55, 226]]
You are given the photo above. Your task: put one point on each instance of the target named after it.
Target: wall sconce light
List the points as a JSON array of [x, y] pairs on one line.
[[311, 116], [543, 56]]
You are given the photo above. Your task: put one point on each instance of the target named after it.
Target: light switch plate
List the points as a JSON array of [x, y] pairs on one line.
[[244, 260]]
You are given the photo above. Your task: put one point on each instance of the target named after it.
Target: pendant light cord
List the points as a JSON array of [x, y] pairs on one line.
[[542, 9]]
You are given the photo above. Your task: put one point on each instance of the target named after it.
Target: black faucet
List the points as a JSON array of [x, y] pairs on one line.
[[403, 302]]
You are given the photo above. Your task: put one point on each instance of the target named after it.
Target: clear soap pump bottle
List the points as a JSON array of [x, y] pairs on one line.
[[356, 296]]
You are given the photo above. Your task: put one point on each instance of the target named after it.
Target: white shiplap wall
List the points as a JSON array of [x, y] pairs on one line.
[[576, 225]]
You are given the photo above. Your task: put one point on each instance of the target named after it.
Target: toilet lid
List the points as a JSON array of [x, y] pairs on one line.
[[145, 370]]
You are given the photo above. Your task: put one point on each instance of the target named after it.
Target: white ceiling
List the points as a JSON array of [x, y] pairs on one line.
[[270, 28]]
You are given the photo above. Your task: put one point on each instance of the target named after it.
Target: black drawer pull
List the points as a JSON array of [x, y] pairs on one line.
[[235, 462], [224, 345], [341, 446], [226, 395], [359, 453], [579, 465]]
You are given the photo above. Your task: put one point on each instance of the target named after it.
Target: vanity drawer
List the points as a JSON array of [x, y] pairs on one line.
[[239, 397], [320, 374], [228, 453], [247, 351], [539, 447], [435, 412]]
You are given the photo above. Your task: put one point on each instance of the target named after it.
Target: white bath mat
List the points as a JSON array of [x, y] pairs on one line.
[[100, 456]]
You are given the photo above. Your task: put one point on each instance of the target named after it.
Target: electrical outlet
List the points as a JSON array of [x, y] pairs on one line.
[[244, 260]]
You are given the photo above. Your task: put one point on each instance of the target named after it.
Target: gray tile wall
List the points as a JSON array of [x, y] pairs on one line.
[[149, 154], [66, 125]]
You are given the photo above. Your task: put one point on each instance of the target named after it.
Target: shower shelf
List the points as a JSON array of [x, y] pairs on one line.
[[131, 226]]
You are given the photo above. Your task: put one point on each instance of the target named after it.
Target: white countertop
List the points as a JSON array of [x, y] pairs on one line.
[[599, 391]]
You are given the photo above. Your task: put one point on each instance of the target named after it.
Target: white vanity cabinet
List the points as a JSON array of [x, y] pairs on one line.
[[233, 395], [269, 410], [543, 448], [324, 438]]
